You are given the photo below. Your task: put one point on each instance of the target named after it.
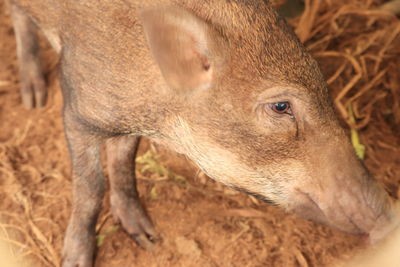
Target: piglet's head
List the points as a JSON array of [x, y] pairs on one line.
[[249, 105]]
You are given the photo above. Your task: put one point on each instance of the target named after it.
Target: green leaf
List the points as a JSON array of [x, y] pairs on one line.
[[151, 164], [100, 240], [179, 179], [101, 237], [355, 139], [153, 193]]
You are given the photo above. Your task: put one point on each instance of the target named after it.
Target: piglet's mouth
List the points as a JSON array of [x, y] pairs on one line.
[[256, 195]]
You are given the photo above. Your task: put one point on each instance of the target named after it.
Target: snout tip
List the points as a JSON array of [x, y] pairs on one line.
[[371, 223], [386, 224], [379, 234]]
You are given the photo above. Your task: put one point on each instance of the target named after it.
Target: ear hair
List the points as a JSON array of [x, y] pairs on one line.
[[180, 44]]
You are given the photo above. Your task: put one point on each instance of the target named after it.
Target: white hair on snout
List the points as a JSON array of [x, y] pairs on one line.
[[224, 166]]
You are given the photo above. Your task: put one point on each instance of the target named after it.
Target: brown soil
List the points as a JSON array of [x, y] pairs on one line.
[[202, 223]]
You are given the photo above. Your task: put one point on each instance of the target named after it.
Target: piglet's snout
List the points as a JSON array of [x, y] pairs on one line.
[[357, 208]]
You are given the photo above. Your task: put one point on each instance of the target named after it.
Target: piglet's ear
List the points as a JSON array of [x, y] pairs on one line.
[[179, 42]]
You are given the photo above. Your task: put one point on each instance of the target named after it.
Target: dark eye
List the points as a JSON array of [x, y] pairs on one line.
[[281, 107]]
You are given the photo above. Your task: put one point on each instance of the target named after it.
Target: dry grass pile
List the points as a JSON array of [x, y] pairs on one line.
[[361, 45], [23, 225], [358, 47]]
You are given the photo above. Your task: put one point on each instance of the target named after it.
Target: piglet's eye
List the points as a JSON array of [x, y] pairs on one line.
[[281, 108]]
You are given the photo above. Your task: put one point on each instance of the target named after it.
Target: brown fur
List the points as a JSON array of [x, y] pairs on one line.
[[199, 76]]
